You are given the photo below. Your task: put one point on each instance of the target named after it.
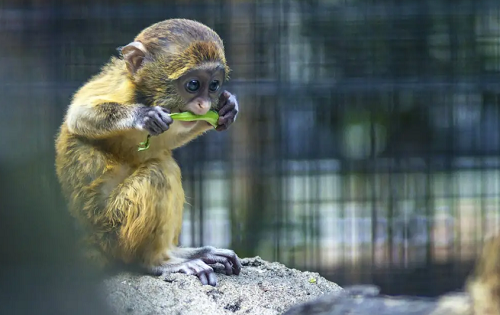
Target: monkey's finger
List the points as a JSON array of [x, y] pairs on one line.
[[185, 269], [149, 122], [164, 114], [160, 122], [227, 108], [153, 129], [201, 267], [221, 121], [166, 118], [202, 270], [159, 125], [229, 267], [227, 119], [223, 127], [212, 259], [227, 123], [224, 96], [165, 110], [232, 257], [236, 264], [203, 278], [150, 126], [212, 279]]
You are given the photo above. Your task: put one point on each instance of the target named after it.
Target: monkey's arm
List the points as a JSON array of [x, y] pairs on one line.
[[106, 119]]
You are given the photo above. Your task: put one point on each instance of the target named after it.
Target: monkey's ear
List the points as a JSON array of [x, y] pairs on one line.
[[133, 54]]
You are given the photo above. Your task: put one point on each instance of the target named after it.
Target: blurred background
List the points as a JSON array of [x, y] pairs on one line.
[[366, 147]]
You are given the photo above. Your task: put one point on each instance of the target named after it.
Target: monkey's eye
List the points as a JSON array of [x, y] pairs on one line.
[[214, 86], [193, 86]]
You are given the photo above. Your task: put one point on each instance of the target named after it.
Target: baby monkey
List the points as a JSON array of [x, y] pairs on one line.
[[130, 202]]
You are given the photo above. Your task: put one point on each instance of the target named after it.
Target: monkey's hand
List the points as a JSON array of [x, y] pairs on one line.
[[228, 110], [155, 120]]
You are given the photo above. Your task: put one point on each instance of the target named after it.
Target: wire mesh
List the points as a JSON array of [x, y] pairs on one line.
[[366, 147]]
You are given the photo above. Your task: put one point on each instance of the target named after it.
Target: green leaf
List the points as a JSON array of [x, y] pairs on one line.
[[211, 117], [144, 145]]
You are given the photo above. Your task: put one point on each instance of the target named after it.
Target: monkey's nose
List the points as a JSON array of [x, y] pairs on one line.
[[201, 107]]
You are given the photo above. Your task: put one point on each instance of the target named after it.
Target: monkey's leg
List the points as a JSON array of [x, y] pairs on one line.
[[197, 261], [132, 213], [144, 214]]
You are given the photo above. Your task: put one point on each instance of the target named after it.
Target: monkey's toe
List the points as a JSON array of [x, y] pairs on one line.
[[203, 271], [194, 267], [226, 257]]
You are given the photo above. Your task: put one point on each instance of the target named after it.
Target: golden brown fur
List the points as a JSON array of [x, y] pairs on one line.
[[484, 285], [189, 51], [131, 202]]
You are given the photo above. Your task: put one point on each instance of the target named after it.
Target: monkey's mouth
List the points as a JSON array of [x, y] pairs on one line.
[[189, 124]]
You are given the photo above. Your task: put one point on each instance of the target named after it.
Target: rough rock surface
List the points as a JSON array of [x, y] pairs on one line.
[[265, 288], [345, 303], [262, 288]]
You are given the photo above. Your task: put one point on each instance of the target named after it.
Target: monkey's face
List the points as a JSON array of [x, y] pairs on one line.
[[196, 91], [199, 90]]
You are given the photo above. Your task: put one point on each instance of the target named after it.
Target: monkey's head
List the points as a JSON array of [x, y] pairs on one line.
[[178, 64]]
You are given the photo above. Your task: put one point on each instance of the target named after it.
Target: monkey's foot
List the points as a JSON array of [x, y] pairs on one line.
[[196, 261], [191, 267], [226, 257]]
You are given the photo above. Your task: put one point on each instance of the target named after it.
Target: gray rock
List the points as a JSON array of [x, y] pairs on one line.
[[262, 288], [366, 303], [265, 288]]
